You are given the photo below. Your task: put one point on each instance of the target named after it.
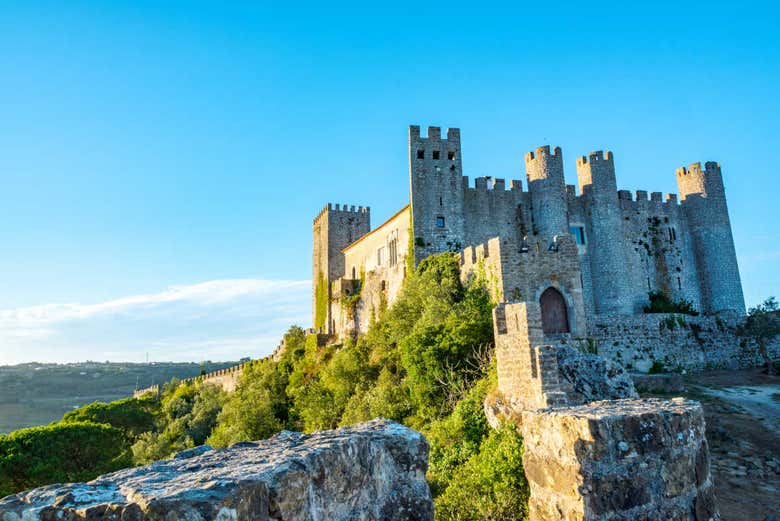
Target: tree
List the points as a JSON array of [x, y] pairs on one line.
[[762, 325], [61, 452], [132, 415]]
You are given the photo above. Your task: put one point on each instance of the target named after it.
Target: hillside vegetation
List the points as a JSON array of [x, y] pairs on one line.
[[425, 362], [36, 394]]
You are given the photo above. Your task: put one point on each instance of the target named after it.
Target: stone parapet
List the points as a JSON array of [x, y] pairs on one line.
[[619, 460], [373, 471]]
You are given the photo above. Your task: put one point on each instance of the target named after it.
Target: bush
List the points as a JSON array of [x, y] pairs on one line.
[[61, 452], [490, 485], [661, 303], [188, 414], [133, 416]]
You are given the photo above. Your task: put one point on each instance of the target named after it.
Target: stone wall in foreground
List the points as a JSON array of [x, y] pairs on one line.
[[374, 471], [619, 460]]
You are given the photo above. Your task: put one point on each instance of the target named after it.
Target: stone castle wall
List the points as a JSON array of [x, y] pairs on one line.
[[378, 261], [673, 341], [626, 246], [513, 274], [334, 228]]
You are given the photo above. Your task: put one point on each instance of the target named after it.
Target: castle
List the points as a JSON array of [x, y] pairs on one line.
[[586, 254]]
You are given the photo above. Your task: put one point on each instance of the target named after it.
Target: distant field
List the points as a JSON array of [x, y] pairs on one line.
[[38, 394]]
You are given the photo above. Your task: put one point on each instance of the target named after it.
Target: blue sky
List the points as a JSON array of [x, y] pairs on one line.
[[161, 164]]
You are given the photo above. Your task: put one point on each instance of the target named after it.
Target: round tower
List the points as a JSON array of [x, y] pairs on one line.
[[703, 201], [604, 240], [548, 193]]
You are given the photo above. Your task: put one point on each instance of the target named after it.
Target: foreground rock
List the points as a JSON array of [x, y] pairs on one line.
[[372, 471], [619, 460]]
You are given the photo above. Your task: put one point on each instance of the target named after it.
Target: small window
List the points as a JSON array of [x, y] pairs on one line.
[[383, 285], [353, 273], [421, 154], [380, 256], [441, 203], [578, 232], [436, 154], [679, 283], [672, 234], [451, 155], [392, 248], [440, 221]]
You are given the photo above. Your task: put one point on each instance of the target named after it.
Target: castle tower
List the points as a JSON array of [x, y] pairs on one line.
[[335, 228], [436, 186], [605, 241], [548, 194], [703, 200]]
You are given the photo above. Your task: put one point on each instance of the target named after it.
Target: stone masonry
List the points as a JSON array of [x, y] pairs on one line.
[[373, 471], [619, 460], [592, 450], [613, 247]]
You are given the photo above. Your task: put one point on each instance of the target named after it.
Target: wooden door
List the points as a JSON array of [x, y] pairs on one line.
[[555, 319]]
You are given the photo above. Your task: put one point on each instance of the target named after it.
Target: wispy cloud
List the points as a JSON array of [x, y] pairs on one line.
[[216, 320]]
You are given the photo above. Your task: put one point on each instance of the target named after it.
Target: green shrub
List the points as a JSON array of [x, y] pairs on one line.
[[490, 485], [661, 303], [133, 416], [59, 453], [188, 414]]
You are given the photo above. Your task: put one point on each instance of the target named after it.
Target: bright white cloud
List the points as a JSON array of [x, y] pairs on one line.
[[214, 320]]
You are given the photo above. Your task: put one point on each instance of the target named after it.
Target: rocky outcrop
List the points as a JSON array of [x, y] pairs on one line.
[[592, 377], [373, 471]]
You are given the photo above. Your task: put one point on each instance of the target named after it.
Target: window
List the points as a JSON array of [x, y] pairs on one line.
[[383, 285], [436, 154], [672, 234], [380, 256], [440, 221], [353, 273], [421, 154], [451, 155], [578, 232], [392, 249]]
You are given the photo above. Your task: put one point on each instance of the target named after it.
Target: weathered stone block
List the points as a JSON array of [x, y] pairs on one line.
[[374, 471], [623, 459]]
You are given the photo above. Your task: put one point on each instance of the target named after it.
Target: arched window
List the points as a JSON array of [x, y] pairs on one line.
[[555, 318], [353, 273]]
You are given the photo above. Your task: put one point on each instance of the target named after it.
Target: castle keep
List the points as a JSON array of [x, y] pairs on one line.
[[586, 254]]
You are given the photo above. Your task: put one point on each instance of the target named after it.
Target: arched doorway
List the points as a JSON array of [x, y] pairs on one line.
[[555, 318]]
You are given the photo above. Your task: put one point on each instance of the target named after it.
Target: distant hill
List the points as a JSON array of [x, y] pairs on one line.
[[37, 394]]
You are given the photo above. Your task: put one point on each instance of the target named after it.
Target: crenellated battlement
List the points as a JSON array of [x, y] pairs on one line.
[[596, 157], [641, 195], [434, 134], [492, 184], [542, 152], [342, 208]]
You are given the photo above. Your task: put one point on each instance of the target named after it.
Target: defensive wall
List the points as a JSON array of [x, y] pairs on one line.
[[672, 342], [227, 378]]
